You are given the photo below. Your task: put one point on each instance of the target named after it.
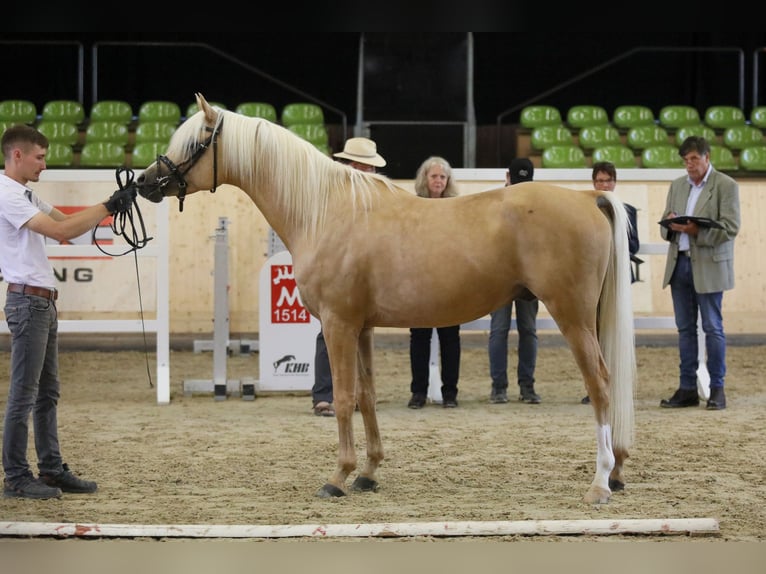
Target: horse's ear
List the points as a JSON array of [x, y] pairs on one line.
[[204, 106]]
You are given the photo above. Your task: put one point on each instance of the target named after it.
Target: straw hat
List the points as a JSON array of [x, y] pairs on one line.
[[361, 150]]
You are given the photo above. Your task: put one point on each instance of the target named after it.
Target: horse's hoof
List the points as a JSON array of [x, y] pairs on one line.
[[330, 491], [364, 484], [597, 496], [616, 485]]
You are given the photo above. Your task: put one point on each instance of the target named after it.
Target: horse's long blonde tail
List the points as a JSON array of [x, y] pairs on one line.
[[616, 328]]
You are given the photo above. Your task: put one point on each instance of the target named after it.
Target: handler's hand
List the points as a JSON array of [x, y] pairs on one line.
[[121, 200]]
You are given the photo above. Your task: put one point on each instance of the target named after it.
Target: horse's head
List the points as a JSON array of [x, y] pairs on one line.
[[187, 167]]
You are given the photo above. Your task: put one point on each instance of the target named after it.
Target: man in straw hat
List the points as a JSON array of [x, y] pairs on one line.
[[362, 154]]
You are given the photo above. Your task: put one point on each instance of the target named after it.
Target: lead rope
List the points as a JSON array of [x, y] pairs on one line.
[[123, 224]]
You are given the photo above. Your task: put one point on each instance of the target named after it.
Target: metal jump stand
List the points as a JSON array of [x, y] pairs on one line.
[[221, 345]]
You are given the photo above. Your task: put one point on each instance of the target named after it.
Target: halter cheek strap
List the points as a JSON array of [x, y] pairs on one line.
[[177, 172]]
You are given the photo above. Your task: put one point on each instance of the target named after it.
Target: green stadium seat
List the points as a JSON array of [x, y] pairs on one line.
[[674, 116], [313, 133], [563, 157], [739, 137], [154, 131], [630, 116], [111, 111], [722, 117], [159, 111], [59, 155], [661, 156], [722, 158], [700, 130], [642, 137], [582, 116], [70, 111], [18, 111], [758, 117], [545, 136], [302, 113], [102, 154], [145, 153], [596, 136], [619, 154], [60, 131], [753, 158], [258, 110], [107, 131], [536, 116]]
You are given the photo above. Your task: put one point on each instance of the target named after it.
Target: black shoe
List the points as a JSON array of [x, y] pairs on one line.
[[30, 488], [68, 482], [529, 396], [498, 396], [449, 403], [585, 400], [418, 401], [717, 400], [681, 398]]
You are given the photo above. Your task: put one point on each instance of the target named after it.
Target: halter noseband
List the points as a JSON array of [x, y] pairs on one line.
[[177, 172]]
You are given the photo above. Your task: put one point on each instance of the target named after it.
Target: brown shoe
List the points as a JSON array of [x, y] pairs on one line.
[[717, 400], [681, 398]]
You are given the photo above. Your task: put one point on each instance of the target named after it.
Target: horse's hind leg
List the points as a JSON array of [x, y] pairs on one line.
[[587, 354], [366, 398]]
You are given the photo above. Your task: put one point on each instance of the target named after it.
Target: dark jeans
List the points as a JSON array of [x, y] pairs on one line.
[[420, 355], [687, 304], [322, 389], [35, 387], [500, 324]]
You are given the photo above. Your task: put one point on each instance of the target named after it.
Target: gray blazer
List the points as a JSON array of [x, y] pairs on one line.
[[712, 250]]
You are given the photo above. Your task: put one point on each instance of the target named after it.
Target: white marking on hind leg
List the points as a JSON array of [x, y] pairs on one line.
[[604, 456]]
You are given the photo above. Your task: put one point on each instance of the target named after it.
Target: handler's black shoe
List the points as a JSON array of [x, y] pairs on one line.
[[30, 488], [68, 482], [717, 400], [681, 398]]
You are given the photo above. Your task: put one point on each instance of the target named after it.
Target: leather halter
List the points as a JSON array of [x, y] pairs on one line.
[[177, 172]]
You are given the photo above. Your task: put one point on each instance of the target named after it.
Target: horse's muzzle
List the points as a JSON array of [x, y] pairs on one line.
[[151, 191]]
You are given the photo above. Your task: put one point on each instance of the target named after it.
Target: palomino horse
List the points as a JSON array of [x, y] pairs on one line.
[[367, 253]]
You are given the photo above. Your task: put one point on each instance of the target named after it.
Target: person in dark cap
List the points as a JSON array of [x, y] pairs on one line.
[[520, 170]]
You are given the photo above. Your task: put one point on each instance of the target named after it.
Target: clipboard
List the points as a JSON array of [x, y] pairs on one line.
[[705, 222]]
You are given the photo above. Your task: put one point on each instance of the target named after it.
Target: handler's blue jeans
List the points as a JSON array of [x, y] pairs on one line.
[[500, 324], [35, 387], [687, 304]]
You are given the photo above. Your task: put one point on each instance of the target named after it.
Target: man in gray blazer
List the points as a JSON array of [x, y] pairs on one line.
[[700, 267]]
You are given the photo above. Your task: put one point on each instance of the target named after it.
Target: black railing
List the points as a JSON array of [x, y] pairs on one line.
[[166, 65]]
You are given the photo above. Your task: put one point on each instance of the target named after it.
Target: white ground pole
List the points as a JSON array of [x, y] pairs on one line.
[[651, 526]]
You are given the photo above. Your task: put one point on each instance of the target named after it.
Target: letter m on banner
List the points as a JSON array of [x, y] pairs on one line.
[[286, 306]]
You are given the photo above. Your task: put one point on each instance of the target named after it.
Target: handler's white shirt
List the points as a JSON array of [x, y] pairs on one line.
[[22, 251]]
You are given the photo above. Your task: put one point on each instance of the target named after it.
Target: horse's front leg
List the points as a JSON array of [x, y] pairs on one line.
[[342, 350], [366, 398]]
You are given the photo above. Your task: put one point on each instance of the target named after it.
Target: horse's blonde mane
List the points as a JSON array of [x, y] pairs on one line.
[[267, 158]]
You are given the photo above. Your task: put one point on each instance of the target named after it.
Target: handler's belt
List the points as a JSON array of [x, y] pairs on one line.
[[51, 294]]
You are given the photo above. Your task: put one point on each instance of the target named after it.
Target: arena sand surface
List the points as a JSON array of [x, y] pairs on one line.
[[261, 462]]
